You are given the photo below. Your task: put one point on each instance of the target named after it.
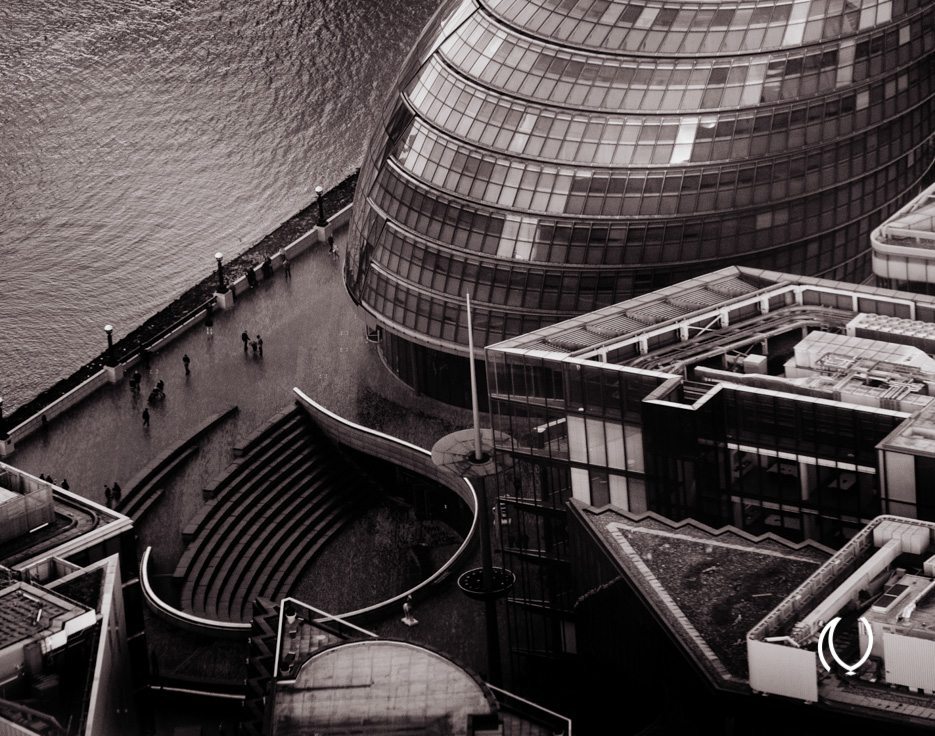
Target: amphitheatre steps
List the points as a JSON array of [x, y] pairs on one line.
[[267, 515]]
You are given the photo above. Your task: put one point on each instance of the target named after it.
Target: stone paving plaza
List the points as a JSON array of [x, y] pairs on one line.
[[312, 339]]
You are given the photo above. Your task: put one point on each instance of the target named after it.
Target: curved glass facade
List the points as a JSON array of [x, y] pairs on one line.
[[555, 156]]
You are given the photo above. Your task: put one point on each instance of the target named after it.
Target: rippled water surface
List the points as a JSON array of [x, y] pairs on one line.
[[139, 137]]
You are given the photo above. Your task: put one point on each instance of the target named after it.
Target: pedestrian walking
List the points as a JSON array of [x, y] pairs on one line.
[[246, 339], [251, 276], [146, 415], [332, 248], [117, 492], [286, 266], [209, 320], [65, 485], [186, 361], [267, 267], [259, 344], [108, 495], [253, 346]]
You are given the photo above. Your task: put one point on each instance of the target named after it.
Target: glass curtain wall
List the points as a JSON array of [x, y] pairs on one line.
[[549, 173]]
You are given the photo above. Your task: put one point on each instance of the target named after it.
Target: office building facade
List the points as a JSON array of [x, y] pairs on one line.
[[767, 401], [552, 159]]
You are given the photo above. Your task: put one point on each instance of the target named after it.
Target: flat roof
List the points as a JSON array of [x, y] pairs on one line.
[[75, 517], [912, 226], [710, 586], [600, 326], [855, 694], [915, 436], [27, 612], [922, 621], [595, 334]]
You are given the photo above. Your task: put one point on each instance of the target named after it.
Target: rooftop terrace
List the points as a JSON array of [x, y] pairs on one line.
[[723, 311], [28, 612], [913, 226], [73, 518], [709, 586]]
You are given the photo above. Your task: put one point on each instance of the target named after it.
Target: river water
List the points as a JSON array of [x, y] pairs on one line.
[[138, 137]]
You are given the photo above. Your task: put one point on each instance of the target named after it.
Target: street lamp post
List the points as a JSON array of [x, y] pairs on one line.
[[222, 284], [109, 358], [321, 207]]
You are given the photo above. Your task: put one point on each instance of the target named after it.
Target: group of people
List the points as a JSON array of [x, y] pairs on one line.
[[255, 345], [113, 495], [250, 345], [48, 479], [157, 393], [266, 267]]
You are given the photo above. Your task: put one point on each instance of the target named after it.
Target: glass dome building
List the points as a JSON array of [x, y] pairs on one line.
[[555, 156]]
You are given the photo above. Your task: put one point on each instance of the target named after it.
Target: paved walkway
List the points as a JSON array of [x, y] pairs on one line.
[[312, 338]]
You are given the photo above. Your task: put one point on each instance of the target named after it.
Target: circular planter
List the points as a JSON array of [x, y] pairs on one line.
[[472, 583]]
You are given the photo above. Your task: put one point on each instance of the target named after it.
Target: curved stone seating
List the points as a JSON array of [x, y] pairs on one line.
[[265, 454], [270, 512], [300, 543], [303, 495], [223, 512], [230, 538]]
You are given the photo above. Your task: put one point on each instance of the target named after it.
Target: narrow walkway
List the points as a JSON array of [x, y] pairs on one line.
[[312, 338]]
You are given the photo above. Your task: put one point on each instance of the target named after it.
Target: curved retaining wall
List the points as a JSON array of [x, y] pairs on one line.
[[371, 442], [407, 455], [181, 619]]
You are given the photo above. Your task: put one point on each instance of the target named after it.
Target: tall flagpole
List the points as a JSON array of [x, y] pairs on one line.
[[453, 452], [478, 454]]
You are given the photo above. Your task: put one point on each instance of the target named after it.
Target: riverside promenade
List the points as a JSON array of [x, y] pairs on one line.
[[312, 339]]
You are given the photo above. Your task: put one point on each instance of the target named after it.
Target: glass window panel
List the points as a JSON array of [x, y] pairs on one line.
[[619, 495], [633, 441]]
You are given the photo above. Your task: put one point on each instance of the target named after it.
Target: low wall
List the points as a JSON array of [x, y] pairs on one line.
[[298, 246], [77, 394], [111, 374], [409, 456], [181, 619]]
